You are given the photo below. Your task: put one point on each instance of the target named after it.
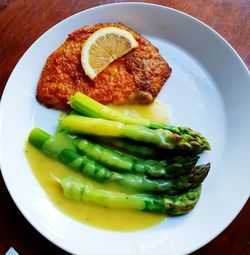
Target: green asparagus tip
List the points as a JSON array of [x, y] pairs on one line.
[[185, 202], [192, 138], [199, 173]]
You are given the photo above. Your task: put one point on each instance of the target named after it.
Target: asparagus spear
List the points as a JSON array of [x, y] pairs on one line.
[[89, 107], [68, 156], [134, 148], [178, 166], [171, 205], [162, 138]]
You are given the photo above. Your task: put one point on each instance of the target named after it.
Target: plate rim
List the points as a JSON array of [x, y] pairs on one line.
[[3, 99]]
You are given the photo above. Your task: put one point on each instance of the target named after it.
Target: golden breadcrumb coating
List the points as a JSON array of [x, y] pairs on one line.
[[136, 77]]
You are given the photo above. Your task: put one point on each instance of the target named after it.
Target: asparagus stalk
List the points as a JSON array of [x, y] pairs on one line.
[[171, 205], [178, 166], [162, 138], [89, 107], [68, 156], [134, 148]]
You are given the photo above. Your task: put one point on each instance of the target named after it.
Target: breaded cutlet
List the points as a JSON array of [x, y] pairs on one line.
[[136, 77]]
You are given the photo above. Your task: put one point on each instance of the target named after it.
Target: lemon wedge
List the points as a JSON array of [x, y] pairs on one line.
[[103, 47]]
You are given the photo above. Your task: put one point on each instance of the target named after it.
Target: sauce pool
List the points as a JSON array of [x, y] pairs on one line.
[[45, 168]]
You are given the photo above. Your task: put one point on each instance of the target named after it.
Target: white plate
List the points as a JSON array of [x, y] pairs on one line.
[[208, 91]]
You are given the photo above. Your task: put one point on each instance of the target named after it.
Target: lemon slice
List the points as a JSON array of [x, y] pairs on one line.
[[103, 47]]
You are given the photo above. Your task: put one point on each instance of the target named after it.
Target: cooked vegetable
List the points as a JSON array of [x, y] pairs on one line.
[[134, 148], [162, 138], [171, 205], [59, 147], [178, 166], [89, 107]]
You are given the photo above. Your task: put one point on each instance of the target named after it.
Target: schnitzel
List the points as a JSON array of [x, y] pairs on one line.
[[137, 77]]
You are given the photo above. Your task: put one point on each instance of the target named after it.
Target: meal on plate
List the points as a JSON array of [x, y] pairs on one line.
[[115, 163]]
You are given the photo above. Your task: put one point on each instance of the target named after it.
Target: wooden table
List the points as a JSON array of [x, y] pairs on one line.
[[23, 21]]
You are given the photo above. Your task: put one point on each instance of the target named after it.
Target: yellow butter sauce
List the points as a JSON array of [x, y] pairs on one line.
[[156, 111], [113, 219]]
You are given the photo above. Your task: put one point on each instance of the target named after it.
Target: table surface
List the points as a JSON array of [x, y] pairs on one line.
[[23, 21]]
